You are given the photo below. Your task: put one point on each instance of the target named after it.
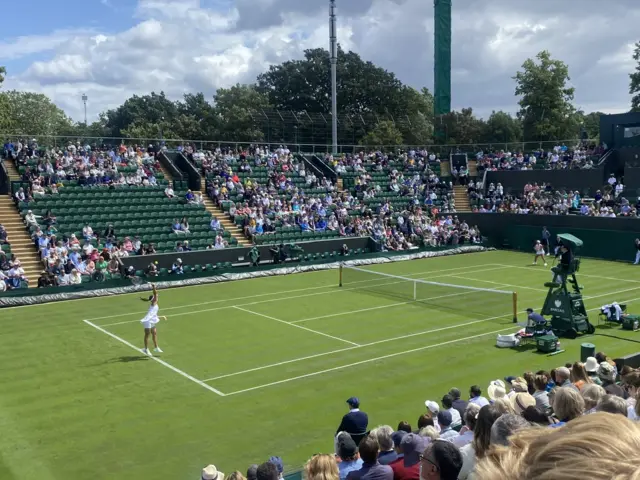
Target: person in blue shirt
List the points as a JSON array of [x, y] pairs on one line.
[[347, 452], [355, 422]]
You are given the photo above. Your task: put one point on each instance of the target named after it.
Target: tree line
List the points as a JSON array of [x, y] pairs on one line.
[[289, 103]]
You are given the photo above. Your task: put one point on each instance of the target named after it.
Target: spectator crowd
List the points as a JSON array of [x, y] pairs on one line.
[[579, 420], [559, 157]]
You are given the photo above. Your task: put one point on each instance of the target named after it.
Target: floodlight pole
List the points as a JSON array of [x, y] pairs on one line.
[[84, 100], [333, 40]]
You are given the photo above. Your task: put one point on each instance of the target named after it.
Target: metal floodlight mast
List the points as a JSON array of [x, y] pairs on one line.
[[333, 41], [84, 100]]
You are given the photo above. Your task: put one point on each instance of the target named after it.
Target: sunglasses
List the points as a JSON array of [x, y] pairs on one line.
[[426, 459]]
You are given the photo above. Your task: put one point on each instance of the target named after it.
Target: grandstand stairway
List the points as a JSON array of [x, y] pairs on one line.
[[226, 222], [472, 165], [14, 175], [21, 244], [445, 169], [167, 174], [461, 199]]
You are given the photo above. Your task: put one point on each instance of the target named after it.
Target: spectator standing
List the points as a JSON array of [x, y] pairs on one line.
[[355, 422], [347, 452], [371, 468]]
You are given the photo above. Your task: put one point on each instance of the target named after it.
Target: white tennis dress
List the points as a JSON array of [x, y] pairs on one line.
[[539, 249], [151, 318]]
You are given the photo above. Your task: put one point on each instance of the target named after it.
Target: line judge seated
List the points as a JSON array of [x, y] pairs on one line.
[[536, 322], [355, 422]]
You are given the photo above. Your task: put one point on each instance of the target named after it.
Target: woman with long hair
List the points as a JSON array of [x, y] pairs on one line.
[[321, 467], [579, 376], [479, 446]]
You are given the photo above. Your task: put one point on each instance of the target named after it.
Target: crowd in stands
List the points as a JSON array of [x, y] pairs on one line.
[[579, 420], [394, 199], [560, 157], [545, 200]]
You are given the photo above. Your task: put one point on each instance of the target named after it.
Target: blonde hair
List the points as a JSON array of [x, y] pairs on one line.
[[322, 467], [429, 432], [592, 394], [567, 404], [579, 374], [504, 406], [236, 476], [601, 445]]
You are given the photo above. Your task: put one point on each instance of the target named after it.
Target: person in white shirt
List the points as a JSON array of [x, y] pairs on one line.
[[466, 433], [169, 192], [447, 404], [75, 278]]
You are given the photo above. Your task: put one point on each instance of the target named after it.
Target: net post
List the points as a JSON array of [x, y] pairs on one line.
[[340, 279], [514, 296], [415, 291]]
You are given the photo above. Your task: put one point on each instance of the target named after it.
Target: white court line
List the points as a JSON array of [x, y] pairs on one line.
[[334, 290], [156, 359], [519, 287], [384, 357], [247, 297], [296, 326], [580, 274], [386, 306], [425, 332], [377, 342]]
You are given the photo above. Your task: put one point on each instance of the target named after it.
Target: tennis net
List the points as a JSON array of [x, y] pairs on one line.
[[440, 296]]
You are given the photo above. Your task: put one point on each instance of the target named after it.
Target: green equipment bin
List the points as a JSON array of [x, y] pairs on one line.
[[587, 350], [631, 322], [547, 343]]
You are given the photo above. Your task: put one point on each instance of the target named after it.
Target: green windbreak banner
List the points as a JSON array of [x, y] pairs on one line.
[[442, 59]]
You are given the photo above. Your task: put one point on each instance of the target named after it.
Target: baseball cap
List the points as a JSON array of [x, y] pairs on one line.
[[347, 447], [277, 461], [432, 406], [397, 437], [412, 446], [445, 418], [354, 402]]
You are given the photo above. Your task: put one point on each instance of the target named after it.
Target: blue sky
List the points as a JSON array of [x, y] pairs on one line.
[[112, 49]]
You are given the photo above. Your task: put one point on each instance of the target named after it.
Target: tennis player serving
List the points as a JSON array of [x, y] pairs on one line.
[[150, 321]]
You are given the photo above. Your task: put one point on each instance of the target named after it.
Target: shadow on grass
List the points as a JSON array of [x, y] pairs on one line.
[[131, 358], [616, 337]]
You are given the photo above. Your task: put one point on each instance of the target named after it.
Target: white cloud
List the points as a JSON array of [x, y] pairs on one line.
[[191, 45]]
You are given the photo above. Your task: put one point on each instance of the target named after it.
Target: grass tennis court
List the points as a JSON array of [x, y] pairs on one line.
[[261, 367]]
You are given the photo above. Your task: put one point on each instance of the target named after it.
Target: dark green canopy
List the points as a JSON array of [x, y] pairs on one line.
[[570, 240]]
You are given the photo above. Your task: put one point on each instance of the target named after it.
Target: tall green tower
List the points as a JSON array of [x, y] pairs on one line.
[[442, 60]]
